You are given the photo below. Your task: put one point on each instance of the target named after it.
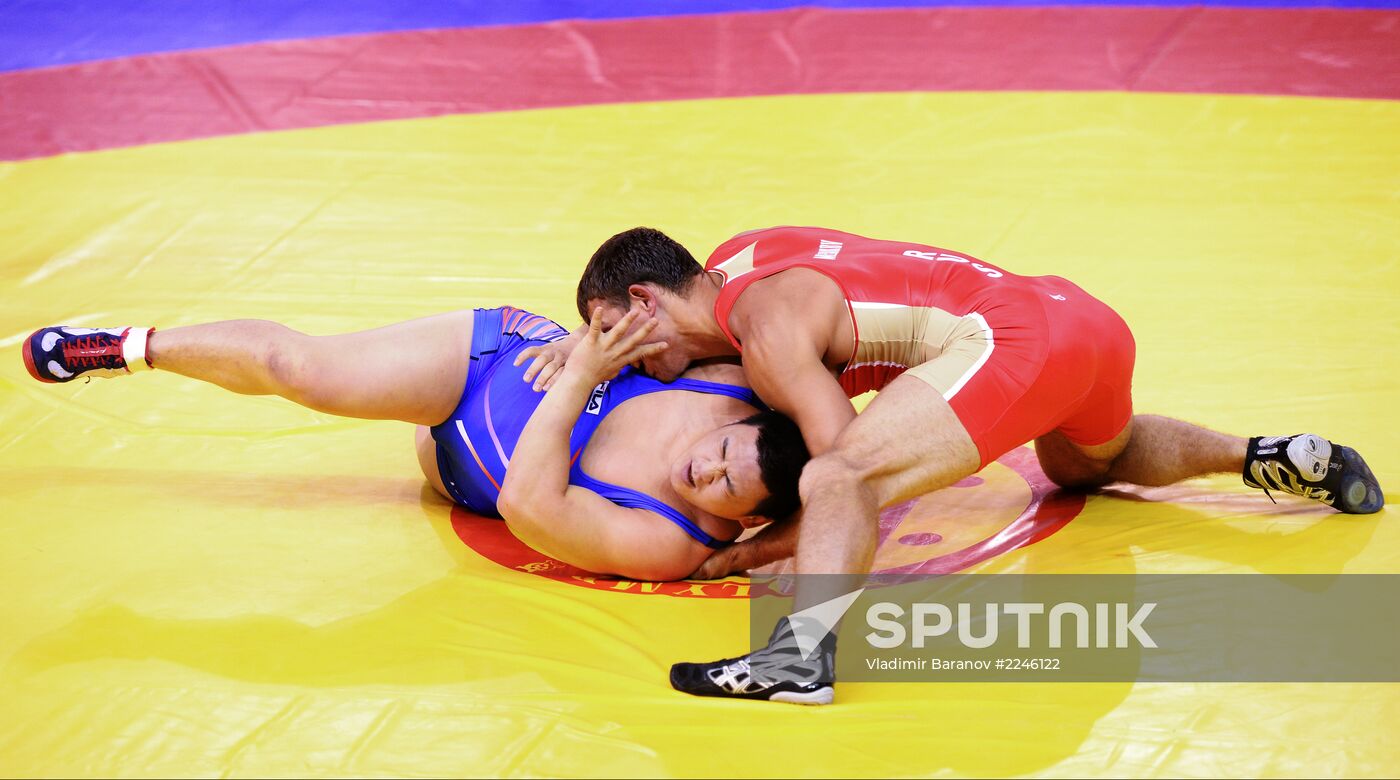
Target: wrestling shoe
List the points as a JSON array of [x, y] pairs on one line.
[[62, 354], [776, 672], [1313, 467]]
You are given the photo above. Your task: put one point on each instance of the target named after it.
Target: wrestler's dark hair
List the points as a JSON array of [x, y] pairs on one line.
[[781, 455], [635, 256]]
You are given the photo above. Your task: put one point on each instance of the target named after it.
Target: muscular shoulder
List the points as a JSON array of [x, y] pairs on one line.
[[798, 299]]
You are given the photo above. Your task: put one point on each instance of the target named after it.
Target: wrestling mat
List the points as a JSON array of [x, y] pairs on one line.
[[198, 583]]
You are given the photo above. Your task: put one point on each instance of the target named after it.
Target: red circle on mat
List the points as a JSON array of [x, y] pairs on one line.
[[1048, 510]]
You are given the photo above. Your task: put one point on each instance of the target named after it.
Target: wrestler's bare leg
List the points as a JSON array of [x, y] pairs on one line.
[[909, 442], [906, 443], [412, 371], [1151, 450]]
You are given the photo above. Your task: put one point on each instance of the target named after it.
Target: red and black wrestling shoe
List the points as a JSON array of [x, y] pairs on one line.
[[62, 353]]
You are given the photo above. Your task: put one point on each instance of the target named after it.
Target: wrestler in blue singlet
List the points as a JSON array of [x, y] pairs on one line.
[[474, 445]]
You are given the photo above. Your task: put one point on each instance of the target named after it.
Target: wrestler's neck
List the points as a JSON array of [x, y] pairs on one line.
[[694, 318]]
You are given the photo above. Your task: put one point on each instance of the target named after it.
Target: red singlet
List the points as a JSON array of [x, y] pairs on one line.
[[1015, 356]]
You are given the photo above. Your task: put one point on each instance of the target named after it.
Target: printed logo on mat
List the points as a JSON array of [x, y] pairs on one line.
[[1007, 505]]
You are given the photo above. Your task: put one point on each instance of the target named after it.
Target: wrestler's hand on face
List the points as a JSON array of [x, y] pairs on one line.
[[600, 356]]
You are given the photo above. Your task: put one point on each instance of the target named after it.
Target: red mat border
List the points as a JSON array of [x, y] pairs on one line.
[[287, 85]]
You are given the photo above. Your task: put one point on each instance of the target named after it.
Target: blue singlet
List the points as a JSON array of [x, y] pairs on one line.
[[474, 445]]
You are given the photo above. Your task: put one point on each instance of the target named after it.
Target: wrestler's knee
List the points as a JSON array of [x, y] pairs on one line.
[[1080, 466], [1071, 470], [1090, 477], [288, 359], [832, 471]]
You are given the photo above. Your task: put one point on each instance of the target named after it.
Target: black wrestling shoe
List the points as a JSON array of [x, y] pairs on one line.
[[776, 672], [1312, 467]]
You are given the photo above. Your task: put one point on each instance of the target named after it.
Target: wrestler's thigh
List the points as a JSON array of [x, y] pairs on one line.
[[413, 371], [907, 442]]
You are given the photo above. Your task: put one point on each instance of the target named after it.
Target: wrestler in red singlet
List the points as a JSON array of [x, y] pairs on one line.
[[1015, 356]]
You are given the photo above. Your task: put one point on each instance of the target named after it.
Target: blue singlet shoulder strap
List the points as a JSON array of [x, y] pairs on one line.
[[633, 499], [700, 386], [632, 384]]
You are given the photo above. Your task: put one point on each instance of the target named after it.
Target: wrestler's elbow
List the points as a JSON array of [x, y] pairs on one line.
[[509, 502], [523, 492], [519, 510], [655, 561], [539, 532], [656, 569]]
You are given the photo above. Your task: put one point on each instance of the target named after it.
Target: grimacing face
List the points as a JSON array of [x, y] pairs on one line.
[[668, 365], [719, 473]]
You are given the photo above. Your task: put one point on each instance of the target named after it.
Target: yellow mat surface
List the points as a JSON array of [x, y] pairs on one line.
[[197, 583]]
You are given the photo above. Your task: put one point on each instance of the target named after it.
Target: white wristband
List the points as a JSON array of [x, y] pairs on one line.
[[134, 349]]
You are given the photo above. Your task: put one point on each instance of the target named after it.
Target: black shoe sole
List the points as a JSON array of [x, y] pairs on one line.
[[683, 682], [1360, 493]]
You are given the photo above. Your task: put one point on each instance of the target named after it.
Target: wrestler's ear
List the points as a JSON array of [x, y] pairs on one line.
[[644, 297]]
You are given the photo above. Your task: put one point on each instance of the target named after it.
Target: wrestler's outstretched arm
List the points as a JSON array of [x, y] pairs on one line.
[[575, 524]]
